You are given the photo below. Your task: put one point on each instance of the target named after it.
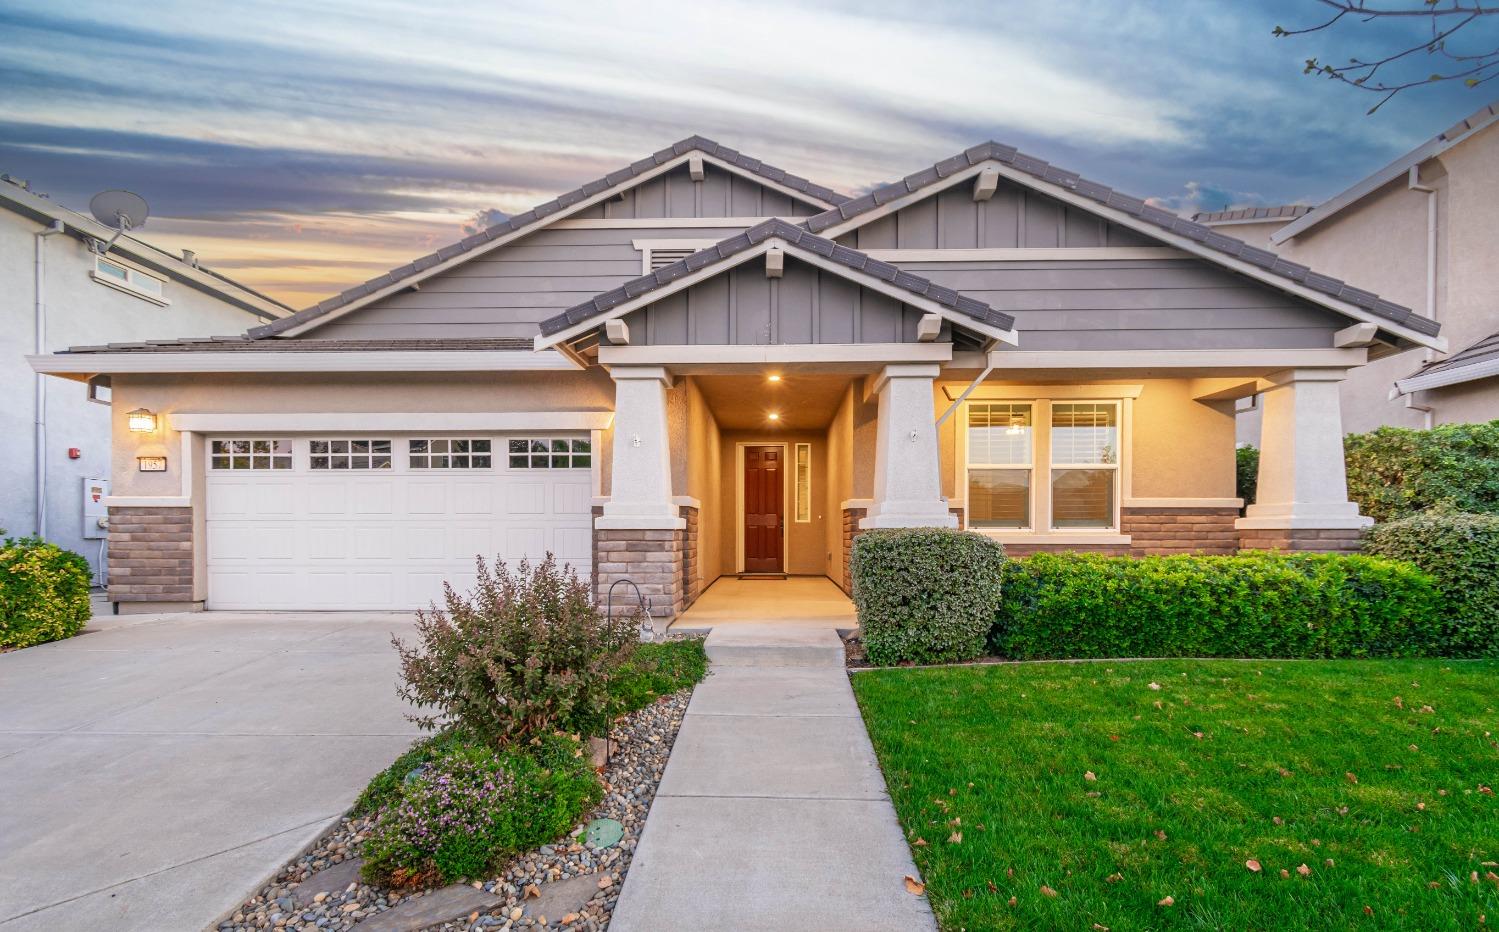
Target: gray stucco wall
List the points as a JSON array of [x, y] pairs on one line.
[[507, 292], [743, 307], [1013, 217], [79, 311], [719, 194]]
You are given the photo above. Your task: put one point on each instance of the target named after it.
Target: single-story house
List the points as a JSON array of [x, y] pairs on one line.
[[702, 365]]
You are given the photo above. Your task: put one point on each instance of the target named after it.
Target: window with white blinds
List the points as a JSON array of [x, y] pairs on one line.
[[1058, 459], [803, 483]]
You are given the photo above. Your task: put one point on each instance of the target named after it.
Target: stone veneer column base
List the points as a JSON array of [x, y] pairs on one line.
[[1305, 540], [691, 581], [652, 559], [151, 557]]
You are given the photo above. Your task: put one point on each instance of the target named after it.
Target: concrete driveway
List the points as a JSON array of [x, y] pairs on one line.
[[155, 769]]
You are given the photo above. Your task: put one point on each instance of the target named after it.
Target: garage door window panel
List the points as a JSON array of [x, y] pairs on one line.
[[451, 453], [555, 453], [349, 454], [250, 453]]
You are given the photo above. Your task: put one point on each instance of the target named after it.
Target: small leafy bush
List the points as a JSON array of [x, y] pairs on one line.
[[525, 654], [43, 592], [1253, 605], [1246, 472], [471, 807], [656, 670], [1461, 552], [925, 595], [1396, 471]]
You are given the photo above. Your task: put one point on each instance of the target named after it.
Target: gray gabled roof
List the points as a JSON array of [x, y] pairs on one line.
[[791, 233], [1251, 214], [1133, 206], [539, 214], [1361, 189], [244, 344], [1478, 361]]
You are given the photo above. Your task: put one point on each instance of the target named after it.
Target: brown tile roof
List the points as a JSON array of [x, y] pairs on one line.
[[1284, 212], [242, 344], [1135, 207], [792, 233], [540, 212]]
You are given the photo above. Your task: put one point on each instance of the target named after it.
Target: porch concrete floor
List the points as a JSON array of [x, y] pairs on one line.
[[772, 813], [796, 601]]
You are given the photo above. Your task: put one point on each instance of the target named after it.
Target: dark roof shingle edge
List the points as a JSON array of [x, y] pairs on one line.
[[540, 212], [1135, 207], [792, 233], [1482, 350], [243, 344], [1283, 212]]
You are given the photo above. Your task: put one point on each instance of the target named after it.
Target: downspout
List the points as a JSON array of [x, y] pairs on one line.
[[40, 329], [1413, 183]]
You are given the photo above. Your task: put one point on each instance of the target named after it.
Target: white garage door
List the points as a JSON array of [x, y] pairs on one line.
[[382, 521]]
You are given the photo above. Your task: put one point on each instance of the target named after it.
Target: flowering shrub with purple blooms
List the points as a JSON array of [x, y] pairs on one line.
[[473, 807]]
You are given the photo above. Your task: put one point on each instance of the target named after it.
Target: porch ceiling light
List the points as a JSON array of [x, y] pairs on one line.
[[774, 378], [141, 420], [773, 416]]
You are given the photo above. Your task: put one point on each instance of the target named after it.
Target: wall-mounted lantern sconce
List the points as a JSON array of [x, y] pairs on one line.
[[142, 421]]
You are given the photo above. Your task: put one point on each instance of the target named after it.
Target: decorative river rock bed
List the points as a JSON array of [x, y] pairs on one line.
[[571, 885]]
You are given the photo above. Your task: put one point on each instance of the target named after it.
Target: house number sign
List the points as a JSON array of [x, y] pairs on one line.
[[152, 463]]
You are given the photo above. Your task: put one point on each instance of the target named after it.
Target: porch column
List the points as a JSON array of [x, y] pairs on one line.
[[907, 474], [639, 535], [640, 480], [1301, 499]]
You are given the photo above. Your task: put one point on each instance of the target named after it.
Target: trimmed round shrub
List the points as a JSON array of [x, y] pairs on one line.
[[1394, 472], [925, 595], [1461, 552], [1070, 605], [43, 592], [471, 808]]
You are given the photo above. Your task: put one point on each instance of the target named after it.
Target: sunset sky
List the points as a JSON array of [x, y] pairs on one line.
[[305, 148]]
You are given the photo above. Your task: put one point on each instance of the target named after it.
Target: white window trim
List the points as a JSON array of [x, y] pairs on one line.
[[646, 246], [1041, 531], [128, 286]]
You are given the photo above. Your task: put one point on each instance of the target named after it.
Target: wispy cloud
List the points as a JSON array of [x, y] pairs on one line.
[[304, 147]]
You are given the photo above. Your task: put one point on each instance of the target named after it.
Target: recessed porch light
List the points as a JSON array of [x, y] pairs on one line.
[[773, 416], [774, 378]]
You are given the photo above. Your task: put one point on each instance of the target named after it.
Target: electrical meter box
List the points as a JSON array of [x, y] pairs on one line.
[[95, 513]]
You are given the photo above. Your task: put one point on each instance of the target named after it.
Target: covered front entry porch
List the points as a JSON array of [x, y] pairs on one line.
[[813, 602]]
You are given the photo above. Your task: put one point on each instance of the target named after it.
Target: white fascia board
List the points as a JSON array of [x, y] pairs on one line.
[[1262, 359], [811, 258], [392, 422], [1181, 243], [1454, 376], [86, 364], [988, 392], [662, 223], [868, 355], [1027, 254]]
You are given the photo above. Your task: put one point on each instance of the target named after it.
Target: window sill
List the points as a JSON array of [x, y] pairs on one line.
[[1081, 539], [117, 285]]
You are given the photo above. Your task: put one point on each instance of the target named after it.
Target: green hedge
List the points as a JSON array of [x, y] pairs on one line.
[[1247, 472], [1254, 605], [1395, 471], [43, 592], [1461, 552], [925, 595]]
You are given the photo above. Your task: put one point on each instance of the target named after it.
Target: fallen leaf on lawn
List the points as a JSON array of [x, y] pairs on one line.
[[1009, 872], [1284, 873], [1329, 862], [1160, 834], [1420, 807], [992, 887], [1473, 878], [952, 792], [914, 886], [1427, 710], [1342, 810], [1100, 928], [1368, 910], [1165, 901], [1155, 686], [1351, 777], [1047, 891], [1433, 886], [1113, 737], [1491, 877], [1090, 776], [956, 838], [1092, 794], [1113, 878], [1414, 748], [1284, 772], [955, 821], [1304, 871], [1485, 790], [1399, 703], [919, 843], [1253, 865], [1012, 901], [1197, 735], [1278, 820]]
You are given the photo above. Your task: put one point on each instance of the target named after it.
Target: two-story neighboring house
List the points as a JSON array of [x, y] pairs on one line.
[[58, 291], [703, 365], [1423, 231]]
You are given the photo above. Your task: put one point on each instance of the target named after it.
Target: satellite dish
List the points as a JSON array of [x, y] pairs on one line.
[[121, 211]]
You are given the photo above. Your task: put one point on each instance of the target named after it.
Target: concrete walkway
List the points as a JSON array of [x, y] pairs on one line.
[[156, 769], [799, 601], [772, 813]]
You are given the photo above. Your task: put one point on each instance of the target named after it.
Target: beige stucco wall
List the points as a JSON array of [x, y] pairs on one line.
[[1379, 244], [805, 541], [1468, 403], [704, 468], [839, 442], [468, 392], [1179, 448]]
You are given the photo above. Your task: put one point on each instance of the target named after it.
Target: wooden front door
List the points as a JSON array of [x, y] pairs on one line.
[[764, 508]]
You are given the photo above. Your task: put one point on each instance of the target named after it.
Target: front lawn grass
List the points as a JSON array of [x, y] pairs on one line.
[[1079, 795]]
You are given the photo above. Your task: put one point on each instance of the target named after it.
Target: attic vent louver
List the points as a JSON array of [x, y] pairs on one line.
[[660, 258]]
